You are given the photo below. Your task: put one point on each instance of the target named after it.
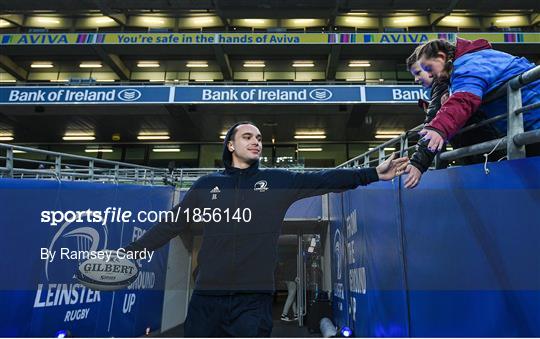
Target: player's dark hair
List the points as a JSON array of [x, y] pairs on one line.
[[233, 132]]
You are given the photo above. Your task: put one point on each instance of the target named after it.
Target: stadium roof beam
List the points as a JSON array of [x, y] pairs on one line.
[[106, 10], [15, 19], [333, 62], [535, 19], [332, 20], [223, 62], [120, 19], [114, 62], [219, 13], [12, 68], [447, 12], [181, 115]]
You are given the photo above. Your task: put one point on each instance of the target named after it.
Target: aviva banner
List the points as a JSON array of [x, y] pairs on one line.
[[293, 94], [253, 38]]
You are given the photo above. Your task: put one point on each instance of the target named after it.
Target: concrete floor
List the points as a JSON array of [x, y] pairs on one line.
[[281, 329]]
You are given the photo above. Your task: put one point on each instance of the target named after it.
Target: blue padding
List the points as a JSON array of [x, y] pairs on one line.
[[340, 283], [376, 244], [308, 208], [34, 302], [480, 238], [457, 256], [475, 313]]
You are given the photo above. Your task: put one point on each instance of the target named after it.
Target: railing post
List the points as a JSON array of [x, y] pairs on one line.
[[515, 124], [91, 169], [381, 155], [437, 161], [403, 145], [116, 168], [366, 161], [58, 166], [181, 177], [9, 162]]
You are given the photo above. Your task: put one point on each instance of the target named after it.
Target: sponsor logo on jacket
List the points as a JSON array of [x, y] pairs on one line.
[[261, 186]]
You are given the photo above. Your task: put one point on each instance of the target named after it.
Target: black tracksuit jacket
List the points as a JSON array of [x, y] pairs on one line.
[[239, 255]]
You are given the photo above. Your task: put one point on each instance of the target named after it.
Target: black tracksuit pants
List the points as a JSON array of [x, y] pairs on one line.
[[237, 315]]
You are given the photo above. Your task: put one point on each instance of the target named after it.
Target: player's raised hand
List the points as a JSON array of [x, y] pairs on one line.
[[392, 167]]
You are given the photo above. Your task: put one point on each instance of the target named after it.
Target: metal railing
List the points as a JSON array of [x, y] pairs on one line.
[[43, 164], [514, 142], [185, 177], [64, 166], [378, 154]]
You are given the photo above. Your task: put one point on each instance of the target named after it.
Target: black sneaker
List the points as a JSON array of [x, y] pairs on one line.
[[286, 318]]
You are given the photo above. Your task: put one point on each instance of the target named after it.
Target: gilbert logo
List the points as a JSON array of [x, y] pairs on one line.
[[261, 186]]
